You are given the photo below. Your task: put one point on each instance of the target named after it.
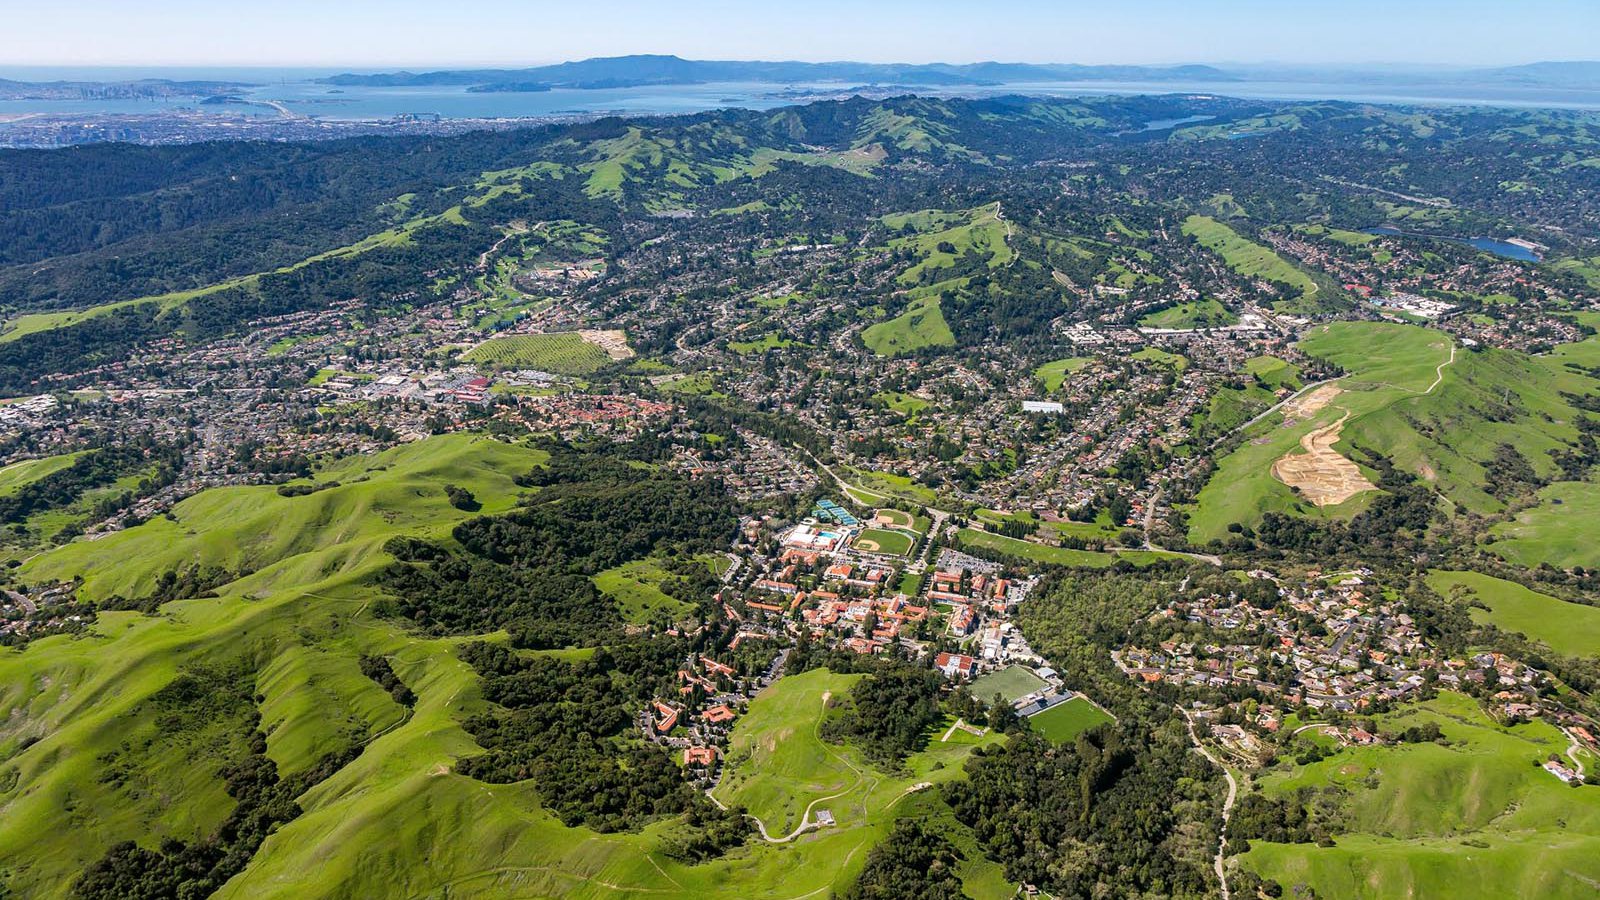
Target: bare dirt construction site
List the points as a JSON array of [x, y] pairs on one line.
[[1304, 407], [614, 343], [1322, 474]]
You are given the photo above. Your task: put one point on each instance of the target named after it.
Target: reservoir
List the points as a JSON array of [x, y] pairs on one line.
[[1164, 124], [1487, 245]]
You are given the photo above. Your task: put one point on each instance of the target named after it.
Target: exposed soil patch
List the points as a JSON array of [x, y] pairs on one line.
[[1308, 405], [1323, 476]]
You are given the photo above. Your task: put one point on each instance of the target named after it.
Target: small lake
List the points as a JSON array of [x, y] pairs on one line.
[[1164, 124], [1487, 245]]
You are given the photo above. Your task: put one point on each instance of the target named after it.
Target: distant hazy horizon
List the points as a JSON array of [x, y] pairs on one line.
[[367, 34]]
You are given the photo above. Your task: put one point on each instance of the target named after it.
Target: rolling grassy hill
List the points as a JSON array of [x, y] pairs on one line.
[[255, 529], [1435, 412], [396, 821], [939, 239], [1569, 628], [77, 708], [780, 770], [17, 475], [1438, 817]]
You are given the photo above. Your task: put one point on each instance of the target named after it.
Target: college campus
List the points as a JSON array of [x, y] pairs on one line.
[[659, 476]]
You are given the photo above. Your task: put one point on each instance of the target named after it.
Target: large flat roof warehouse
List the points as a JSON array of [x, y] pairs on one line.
[[1042, 406]]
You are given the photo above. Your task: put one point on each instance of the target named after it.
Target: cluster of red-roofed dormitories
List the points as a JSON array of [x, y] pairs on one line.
[[968, 597], [872, 623], [702, 681]]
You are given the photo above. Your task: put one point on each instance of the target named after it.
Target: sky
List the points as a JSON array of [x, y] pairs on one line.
[[434, 33]]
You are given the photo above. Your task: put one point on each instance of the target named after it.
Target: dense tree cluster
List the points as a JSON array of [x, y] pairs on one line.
[[566, 725], [379, 669], [890, 713], [911, 863], [529, 570]]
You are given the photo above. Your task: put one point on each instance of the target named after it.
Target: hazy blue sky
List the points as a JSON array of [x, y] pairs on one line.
[[453, 32]]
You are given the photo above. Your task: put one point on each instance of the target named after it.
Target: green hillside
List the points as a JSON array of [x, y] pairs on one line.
[[940, 240], [1570, 628], [1439, 816], [77, 710], [1437, 412], [1249, 258], [337, 529], [1555, 530]]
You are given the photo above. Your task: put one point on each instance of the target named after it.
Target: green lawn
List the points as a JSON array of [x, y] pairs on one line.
[[1205, 313], [1065, 721], [938, 232], [1010, 683], [1569, 628], [1474, 819], [1351, 238], [563, 354], [1055, 372], [697, 383], [892, 542], [637, 588]]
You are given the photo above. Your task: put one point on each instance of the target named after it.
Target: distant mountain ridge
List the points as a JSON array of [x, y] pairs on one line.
[[1577, 73], [633, 71], [141, 89]]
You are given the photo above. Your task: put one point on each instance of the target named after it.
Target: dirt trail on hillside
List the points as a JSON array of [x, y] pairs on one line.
[[1323, 475]]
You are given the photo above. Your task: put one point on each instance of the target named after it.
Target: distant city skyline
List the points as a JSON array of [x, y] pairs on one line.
[[426, 33]]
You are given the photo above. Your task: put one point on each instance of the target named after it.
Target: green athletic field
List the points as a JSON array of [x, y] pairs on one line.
[[1010, 683], [878, 540], [1065, 721]]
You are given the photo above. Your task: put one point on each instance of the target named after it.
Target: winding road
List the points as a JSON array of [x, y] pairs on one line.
[[1227, 804]]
